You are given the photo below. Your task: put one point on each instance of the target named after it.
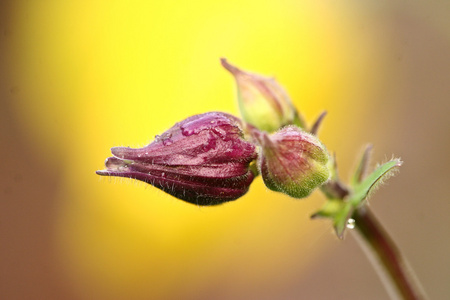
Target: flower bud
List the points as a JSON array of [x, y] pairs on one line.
[[262, 101], [292, 161], [202, 160]]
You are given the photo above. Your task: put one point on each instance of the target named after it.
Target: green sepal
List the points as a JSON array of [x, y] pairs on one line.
[[363, 189], [339, 212], [363, 164], [330, 209], [340, 221], [299, 121]]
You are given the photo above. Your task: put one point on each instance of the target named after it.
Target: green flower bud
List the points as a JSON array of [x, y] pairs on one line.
[[292, 161], [262, 101]]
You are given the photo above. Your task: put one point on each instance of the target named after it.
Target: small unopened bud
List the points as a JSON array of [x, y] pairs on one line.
[[262, 101], [292, 161], [202, 160]]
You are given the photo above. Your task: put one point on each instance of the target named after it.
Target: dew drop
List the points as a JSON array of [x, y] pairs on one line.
[[350, 223], [167, 142], [200, 124], [163, 174]]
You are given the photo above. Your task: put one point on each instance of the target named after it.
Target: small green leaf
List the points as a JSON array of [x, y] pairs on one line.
[[330, 209], [361, 169], [369, 184], [341, 219], [339, 212], [315, 127]]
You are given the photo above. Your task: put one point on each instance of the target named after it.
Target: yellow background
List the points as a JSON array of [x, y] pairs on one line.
[[80, 77]]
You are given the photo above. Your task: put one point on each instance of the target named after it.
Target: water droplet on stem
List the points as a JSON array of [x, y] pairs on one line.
[[350, 223]]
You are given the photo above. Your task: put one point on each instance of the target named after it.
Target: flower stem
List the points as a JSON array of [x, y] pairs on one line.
[[387, 259]]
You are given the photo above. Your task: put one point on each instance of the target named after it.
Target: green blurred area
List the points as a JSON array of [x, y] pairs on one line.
[[78, 77]]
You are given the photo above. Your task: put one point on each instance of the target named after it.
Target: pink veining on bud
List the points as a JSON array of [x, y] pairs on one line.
[[292, 161], [202, 160]]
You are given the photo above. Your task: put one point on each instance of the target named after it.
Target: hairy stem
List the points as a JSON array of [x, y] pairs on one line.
[[388, 261]]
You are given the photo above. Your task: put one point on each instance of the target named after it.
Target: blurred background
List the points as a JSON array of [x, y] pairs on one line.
[[79, 77]]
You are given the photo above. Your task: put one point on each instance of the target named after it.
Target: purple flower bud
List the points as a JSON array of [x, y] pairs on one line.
[[202, 160], [292, 161]]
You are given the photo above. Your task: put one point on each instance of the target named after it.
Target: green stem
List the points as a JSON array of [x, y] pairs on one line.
[[382, 251]]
